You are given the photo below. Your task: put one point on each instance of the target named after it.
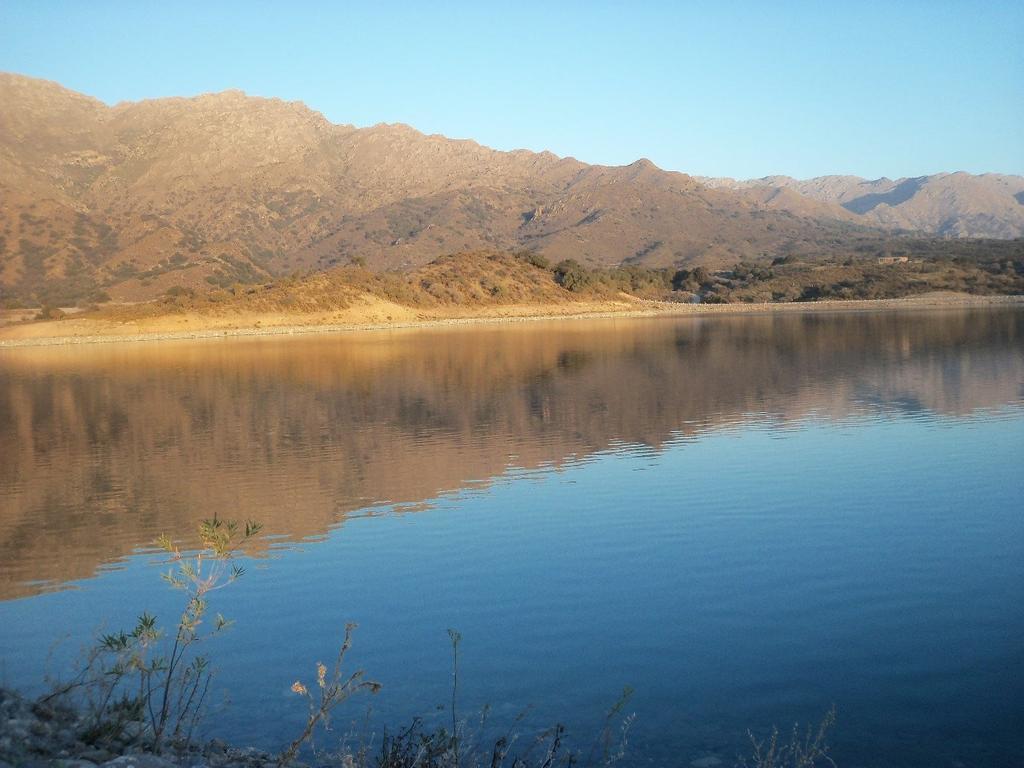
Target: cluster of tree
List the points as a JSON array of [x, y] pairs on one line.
[[572, 275], [981, 267], [870, 278], [865, 271], [627, 278]]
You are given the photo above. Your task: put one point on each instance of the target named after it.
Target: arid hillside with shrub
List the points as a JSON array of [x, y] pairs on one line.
[[470, 281], [492, 284], [123, 203], [126, 202], [448, 285]]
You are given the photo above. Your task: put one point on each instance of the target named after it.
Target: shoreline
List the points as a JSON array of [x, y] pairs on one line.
[[42, 734], [648, 310]]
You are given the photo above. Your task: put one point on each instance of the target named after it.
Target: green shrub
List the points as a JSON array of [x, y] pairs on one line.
[[533, 258], [572, 275], [50, 313]]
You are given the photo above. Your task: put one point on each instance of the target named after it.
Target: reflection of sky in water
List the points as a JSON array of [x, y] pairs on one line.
[[741, 551]]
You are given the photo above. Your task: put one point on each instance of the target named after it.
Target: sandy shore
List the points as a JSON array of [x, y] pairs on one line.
[[184, 327]]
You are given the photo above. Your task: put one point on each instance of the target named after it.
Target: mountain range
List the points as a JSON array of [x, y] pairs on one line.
[[129, 200], [945, 204]]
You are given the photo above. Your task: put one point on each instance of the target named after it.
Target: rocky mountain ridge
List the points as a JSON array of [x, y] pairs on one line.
[[131, 200]]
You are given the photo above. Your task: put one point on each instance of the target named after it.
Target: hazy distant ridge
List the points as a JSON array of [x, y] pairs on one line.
[[948, 204]]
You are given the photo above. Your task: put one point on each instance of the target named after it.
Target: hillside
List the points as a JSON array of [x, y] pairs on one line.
[[127, 201], [491, 286], [945, 204]]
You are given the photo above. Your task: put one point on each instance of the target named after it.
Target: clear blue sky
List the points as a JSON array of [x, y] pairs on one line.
[[718, 88]]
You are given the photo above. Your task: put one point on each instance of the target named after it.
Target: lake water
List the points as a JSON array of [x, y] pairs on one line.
[[746, 519]]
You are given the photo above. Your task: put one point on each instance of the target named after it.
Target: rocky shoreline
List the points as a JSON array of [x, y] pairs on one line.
[[39, 734]]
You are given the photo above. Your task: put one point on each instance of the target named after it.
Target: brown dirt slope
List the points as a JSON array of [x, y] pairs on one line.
[[221, 188]]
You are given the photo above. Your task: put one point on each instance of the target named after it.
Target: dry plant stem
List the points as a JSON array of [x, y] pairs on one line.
[[605, 737], [455, 638], [331, 694], [205, 572], [804, 751], [129, 676]]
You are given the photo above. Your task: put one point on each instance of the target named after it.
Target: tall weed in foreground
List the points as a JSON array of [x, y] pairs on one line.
[[803, 749], [419, 747], [175, 683], [332, 692], [463, 743], [147, 674], [148, 686]]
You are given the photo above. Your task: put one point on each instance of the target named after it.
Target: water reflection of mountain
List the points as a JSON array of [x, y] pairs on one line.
[[105, 447]]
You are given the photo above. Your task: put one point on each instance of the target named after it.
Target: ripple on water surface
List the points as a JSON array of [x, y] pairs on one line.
[[745, 519]]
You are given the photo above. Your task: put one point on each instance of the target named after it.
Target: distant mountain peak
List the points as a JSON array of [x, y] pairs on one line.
[[957, 204]]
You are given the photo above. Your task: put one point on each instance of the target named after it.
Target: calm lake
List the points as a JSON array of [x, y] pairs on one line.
[[745, 519]]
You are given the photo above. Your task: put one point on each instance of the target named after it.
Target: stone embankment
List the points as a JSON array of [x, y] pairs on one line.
[[34, 734]]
